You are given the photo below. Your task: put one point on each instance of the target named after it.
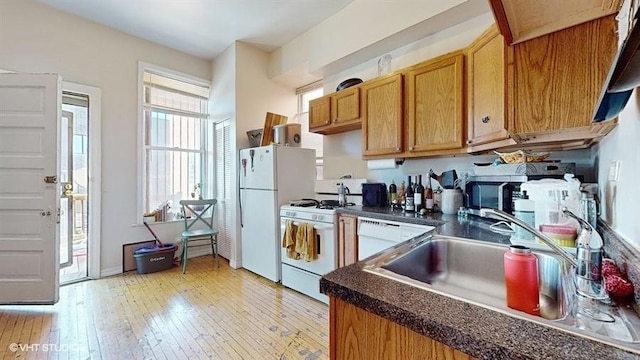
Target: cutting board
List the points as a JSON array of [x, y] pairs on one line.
[[269, 122]]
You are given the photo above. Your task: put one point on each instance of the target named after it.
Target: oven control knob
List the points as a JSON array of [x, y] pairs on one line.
[[314, 217], [320, 217]]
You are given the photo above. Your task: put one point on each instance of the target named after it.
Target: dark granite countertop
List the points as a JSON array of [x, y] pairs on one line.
[[470, 228], [477, 331]]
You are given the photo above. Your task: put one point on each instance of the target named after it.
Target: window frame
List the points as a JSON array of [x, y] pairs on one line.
[[205, 174], [303, 108]]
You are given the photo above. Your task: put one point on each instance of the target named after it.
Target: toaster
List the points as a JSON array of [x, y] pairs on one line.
[[374, 195]]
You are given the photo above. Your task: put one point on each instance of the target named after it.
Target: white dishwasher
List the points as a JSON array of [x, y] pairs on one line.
[[375, 235]]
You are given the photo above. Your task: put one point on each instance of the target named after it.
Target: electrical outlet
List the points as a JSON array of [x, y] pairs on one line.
[[614, 170]]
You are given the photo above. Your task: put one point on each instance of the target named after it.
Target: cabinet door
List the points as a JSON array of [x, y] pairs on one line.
[[347, 240], [435, 100], [347, 331], [382, 116], [487, 88], [319, 113], [559, 77], [345, 106], [357, 334]]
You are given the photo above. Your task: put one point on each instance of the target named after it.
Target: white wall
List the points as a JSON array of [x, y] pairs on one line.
[[37, 38], [223, 107], [363, 30], [241, 70], [256, 94], [621, 198]]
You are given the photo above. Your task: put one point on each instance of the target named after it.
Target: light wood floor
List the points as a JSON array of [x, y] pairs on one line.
[[208, 313]]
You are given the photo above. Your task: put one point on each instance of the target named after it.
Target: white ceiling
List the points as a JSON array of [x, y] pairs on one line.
[[205, 28]]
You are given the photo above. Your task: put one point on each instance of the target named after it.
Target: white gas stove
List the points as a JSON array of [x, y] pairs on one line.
[[299, 274]]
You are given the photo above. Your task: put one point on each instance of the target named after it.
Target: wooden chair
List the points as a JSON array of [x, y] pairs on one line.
[[198, 210]]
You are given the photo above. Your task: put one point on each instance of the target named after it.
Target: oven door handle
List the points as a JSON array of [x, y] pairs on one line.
[[317, 227]]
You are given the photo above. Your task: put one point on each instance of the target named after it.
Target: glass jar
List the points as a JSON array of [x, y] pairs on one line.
[[384, 65]]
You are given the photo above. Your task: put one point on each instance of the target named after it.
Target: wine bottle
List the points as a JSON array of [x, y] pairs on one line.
[[429, 196], [409, 205], [418, 196], [393, 193]]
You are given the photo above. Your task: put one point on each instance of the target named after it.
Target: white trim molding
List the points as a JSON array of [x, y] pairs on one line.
[[95, 166]]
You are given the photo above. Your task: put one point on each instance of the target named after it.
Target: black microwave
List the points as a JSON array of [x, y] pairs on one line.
[[496, 191]]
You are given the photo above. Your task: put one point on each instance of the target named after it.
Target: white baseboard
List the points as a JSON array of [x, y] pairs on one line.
[[111, 271], [234, 264]]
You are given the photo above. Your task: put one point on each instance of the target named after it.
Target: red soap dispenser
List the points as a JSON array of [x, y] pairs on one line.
[[521, 278]]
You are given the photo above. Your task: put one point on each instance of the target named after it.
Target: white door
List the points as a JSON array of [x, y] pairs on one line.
[[260, 235], [257, 168], [30, 108]]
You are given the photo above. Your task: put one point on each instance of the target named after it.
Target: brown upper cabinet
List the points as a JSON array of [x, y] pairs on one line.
[[416, 112], [487, 60], [521, 20], [336, 112], [435, 105], [542, 91], [382, 116]]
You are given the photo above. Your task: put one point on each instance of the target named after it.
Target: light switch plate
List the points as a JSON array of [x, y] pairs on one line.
[[614, 170]]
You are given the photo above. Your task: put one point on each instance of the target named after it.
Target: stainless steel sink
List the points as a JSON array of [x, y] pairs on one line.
[[470, 270], [473, 271]]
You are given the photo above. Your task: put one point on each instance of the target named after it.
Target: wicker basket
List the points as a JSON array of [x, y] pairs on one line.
[[255, 137], [521, 156]]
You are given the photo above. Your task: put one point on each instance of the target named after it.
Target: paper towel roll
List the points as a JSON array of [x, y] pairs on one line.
[[382, 164]]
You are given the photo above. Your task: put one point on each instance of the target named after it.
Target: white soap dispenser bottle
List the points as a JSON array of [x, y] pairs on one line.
[[525, 210]]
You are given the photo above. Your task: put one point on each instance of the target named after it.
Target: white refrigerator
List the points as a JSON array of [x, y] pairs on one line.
[[270, 176]]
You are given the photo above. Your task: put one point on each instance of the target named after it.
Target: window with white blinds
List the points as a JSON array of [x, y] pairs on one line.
[[178, 141], [224, 187]]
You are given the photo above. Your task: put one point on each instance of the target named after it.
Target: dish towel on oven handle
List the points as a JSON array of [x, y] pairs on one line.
[[289, 239], [306, 242]]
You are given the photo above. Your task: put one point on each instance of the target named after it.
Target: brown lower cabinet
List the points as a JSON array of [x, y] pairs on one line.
[[358, 334], [347, 239]]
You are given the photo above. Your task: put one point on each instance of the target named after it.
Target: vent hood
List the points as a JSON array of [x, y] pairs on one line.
[[625, 77]]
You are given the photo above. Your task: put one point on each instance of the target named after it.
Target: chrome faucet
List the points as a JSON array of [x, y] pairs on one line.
[[589, 257], [546, 239], [587, 262]]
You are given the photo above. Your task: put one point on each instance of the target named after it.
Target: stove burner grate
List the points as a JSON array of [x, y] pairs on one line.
[[322, 204]]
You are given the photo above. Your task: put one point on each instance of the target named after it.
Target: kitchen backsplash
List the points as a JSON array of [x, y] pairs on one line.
[[625, 255], [337, 166]]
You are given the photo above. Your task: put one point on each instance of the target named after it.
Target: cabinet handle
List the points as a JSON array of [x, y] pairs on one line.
[[411, 148], [335, 120], [469, 141], [328, 122], [397, 149], [485, 119]]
